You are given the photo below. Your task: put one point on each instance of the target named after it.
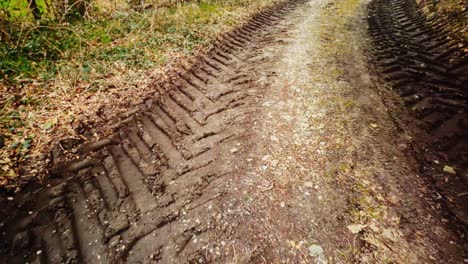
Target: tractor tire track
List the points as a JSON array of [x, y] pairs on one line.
[[428, 68], [116, 203]]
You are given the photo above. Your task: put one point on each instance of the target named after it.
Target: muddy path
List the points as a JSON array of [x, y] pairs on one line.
[[428, 68], [279, 145]]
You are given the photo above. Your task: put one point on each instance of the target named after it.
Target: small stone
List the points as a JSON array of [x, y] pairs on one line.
[[315, 250], [356, 228], [233, 150], [308, 184]]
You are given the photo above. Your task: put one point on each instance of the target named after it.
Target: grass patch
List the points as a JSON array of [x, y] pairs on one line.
[[131, 37]]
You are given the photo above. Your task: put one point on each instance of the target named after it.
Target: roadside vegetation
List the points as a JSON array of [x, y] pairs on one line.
[[455, 12], [64, 64]]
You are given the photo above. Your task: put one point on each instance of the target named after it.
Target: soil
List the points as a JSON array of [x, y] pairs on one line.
[[429, 71], [283, 143]]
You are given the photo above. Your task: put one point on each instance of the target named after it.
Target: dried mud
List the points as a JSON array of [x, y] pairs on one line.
[[118, 201], [276, 146]]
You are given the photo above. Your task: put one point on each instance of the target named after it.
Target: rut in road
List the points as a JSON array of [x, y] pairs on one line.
[[115, 204], [275, 146], [427, 66]]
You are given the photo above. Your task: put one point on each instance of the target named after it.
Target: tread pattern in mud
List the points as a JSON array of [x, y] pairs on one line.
[[428, 68], [115, 204]]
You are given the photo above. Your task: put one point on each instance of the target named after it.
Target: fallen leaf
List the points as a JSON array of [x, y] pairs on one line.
[[449, 169], [292, 243], [48, 125]]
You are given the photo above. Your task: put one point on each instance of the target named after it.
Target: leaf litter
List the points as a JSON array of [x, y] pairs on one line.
[[39, 114]]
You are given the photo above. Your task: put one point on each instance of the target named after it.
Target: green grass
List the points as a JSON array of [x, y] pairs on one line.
[[47, 47], [18, 9]]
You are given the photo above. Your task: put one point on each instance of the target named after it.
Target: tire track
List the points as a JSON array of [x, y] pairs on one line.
[[114, 205], [428, 68]]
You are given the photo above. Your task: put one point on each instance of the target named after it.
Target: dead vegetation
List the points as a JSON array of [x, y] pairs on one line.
[[101, 67], [453, 12]]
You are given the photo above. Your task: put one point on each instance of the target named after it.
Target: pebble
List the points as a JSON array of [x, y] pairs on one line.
[[234, 150], [317, 252]]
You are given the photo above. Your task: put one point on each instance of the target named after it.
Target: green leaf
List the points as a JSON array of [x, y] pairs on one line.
[[48, 125], [86, 68], [26, 144], [449, 169]]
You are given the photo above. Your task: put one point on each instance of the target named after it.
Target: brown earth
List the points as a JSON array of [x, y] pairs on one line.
[[429, 71], [279, 145]]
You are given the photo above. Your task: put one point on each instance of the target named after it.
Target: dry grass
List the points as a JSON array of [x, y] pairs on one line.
[[112, 68], [453, 12]]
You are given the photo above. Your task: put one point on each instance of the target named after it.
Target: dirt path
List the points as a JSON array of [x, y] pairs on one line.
[[275, 147], [426, 65]]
